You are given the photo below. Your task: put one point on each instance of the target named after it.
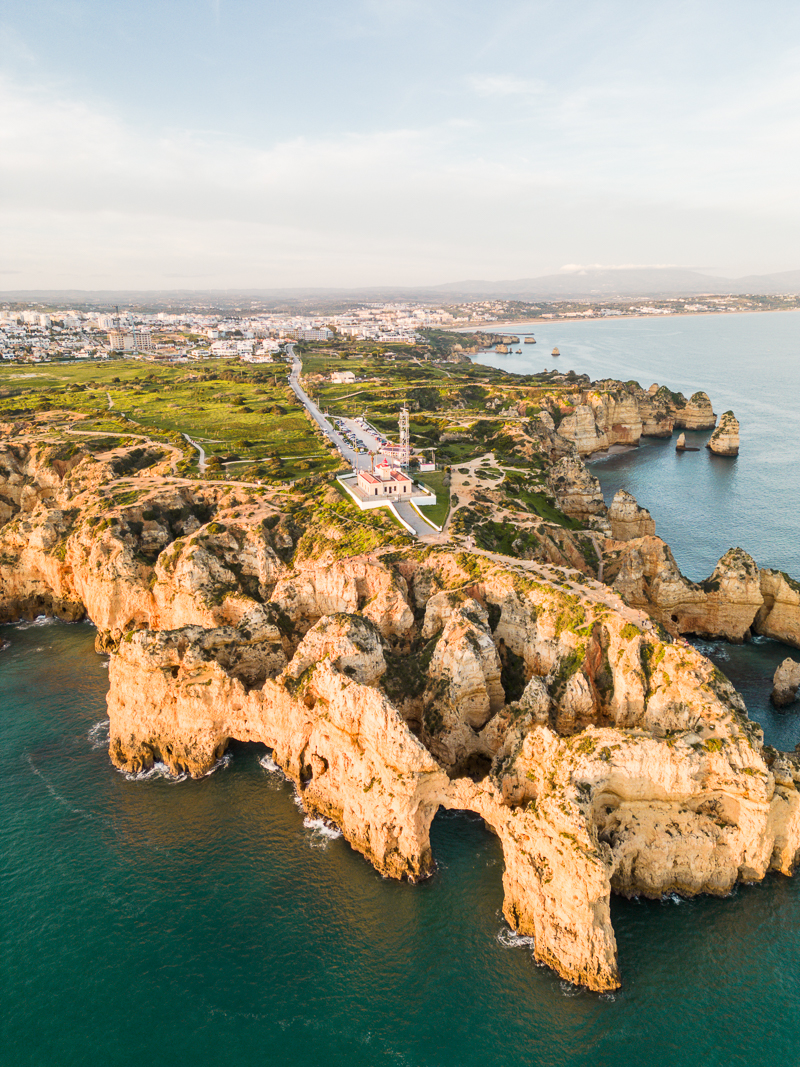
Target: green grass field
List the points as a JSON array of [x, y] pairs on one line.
[[240, 412], [439, 511]]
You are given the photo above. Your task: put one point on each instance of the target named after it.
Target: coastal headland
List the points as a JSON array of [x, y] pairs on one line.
[[527, 663]]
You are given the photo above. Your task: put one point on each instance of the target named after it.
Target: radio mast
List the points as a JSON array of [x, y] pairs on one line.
[[405, 438]]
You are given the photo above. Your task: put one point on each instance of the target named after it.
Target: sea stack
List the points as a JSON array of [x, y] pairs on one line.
[[785, 683], [725, 439], [697, 414], [555, 352], [680, 444]]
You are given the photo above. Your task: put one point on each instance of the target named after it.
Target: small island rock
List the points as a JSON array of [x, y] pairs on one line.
[[725, 439], [785, 683]]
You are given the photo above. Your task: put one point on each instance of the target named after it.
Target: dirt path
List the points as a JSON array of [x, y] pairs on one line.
[[201, 462]]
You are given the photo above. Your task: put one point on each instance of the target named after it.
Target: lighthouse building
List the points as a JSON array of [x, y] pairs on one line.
[[385, 480]]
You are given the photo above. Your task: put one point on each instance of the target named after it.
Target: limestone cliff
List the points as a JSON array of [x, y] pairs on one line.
[[616, 413], [624, 762], [737, 600], [390, 684], [628, 520], [576, 491], [779, 615], [695, 414]]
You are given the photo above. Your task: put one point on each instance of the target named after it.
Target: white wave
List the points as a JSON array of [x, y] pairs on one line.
[[158, 770], [99, 734], [161, 770], [223, 761], [322, 827], [569, 989], [40, 620], [510, 939], [56, 795], [672, 898], [269, 764]]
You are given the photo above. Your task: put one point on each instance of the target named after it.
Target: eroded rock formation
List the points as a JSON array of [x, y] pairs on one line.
[[786, 683], [613, 413], [725, 439], [604, 755], [737, 600], [629, 520]]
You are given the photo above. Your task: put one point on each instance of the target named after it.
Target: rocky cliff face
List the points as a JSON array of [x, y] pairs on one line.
[[603, 756], [725, 439], [613, 413], [577, 492], [736, 600], [695, 414], [779, 615], [628, 520], [611, 759]]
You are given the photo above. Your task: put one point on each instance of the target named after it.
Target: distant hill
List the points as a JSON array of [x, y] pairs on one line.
[[591, 284], [623, 282]]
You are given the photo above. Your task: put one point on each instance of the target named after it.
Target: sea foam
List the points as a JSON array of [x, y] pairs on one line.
[[509, 939]]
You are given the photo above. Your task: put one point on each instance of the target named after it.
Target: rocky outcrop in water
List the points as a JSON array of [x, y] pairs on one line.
[[695, 414], [779, 615], [736, 600], [786, 683], [725, 439], [725, 605], [613, 413]]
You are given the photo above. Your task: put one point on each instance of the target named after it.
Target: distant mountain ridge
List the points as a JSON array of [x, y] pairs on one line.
[[625, 282], [596, 284]]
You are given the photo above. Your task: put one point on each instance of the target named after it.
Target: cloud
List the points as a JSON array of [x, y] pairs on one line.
[[499, 85], [580, 178]]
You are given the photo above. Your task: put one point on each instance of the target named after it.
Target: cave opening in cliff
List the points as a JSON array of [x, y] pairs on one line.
[[245, 753], [468, 858]]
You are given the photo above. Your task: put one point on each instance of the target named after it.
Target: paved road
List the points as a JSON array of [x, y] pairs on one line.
[[341, 443], [201, 459]]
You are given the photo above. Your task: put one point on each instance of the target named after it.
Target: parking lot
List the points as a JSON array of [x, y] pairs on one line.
[[360, 434]]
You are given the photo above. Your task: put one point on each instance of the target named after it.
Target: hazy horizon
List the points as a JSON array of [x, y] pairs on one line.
[[225, 144]]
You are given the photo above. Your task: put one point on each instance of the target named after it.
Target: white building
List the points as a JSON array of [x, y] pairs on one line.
[[385, 481]]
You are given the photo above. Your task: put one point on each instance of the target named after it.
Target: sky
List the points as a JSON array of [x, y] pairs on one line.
[[196, 144]]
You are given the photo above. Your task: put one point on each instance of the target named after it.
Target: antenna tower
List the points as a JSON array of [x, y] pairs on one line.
[[405, 438]]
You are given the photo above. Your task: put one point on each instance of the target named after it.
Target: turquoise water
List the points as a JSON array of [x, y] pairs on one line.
[[201, 921], [702, 504], [147, 920]]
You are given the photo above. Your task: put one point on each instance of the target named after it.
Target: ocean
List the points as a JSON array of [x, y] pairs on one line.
[[147, 918]]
